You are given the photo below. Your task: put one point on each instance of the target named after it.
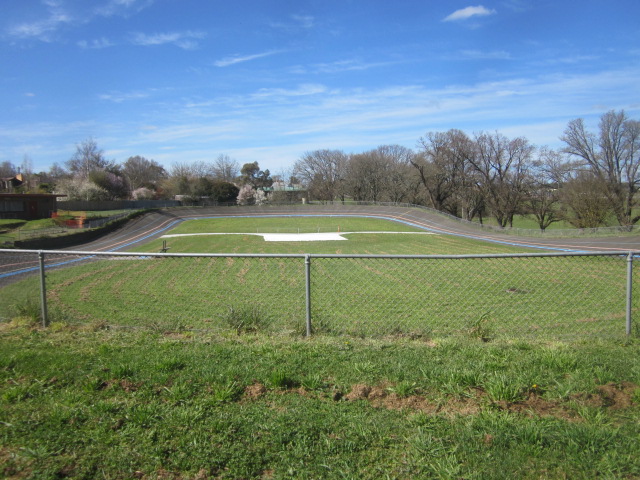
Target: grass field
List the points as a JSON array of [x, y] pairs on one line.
[[83, 403], [371, 243], [551, 297], [196, 369]]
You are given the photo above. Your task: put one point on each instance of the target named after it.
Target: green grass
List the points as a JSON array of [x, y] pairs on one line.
[[372, 243], [85, 403], [196, 368], [479, 298]]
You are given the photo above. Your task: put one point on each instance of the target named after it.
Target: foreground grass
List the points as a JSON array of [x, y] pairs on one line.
[[88, 403]]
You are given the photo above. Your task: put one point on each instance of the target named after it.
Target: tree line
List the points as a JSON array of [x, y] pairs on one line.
[[593, 178], [590, 180]]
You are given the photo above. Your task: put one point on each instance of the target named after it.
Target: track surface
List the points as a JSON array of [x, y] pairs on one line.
[[154, 225]]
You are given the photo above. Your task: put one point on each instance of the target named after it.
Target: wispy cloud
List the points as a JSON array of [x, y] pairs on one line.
[[186, 40], [296, 22], [339, 66], [469, 12], [42, 30], [119, 97], [232, 60], [301, 90], [122, 7], [486, 55], [96, 44]]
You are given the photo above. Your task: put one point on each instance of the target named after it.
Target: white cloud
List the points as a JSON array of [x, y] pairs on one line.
[[96, 44], [489, 55], [42, 30], [118, 97], [232, 60], [185, 40], [122, 7], [468, 12], [302, 90]]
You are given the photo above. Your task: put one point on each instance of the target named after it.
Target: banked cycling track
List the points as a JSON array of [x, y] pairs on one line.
[[155, 224]]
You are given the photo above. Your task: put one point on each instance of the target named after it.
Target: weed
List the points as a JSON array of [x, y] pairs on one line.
[[502, 387], [169, 365], [404, 389], [250, 319], [226, 393], [29, 309], [313, 382], [480, 328], [281, 379]]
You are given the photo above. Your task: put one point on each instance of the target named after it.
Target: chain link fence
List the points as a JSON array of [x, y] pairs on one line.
[[550, 296]]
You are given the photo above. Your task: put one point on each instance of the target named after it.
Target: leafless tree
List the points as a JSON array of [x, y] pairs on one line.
[[613, 155], [584, 201], [502, 166], [141, 172], [88, 158], [549, 173], [443, 164], [225, 168], [323, 172]]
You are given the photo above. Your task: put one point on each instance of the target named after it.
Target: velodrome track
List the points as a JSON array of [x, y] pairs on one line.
[[154, 225]]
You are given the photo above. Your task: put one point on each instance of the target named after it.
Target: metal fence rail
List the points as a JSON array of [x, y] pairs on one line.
[[546, 295]]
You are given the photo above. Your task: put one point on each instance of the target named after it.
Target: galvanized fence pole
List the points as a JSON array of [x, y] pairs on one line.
[[307, 274], [43, 290], [629, 291]]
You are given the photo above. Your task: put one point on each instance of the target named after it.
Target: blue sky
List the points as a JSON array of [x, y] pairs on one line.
[[267, 80]]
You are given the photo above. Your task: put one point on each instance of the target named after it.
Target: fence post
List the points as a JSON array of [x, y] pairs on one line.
[[629, 291], [307, 275], [43, 290]]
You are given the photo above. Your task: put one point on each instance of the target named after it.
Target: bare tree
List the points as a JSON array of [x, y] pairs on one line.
[[613, 156], [443, 167], [502, 166], [141, 172], [548, 175], [87, 158], [225, 168], [584, 201], [323, 172]]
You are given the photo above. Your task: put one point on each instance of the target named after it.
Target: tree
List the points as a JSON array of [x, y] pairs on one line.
[[378, 175], [225, 168], [613, 156], [7, 169], [114, 185], [252, 175], [502, 166], [88, 158], [443, 167], [323, 173], [141, 172], [549, 174], [584, 200], [246, 195]]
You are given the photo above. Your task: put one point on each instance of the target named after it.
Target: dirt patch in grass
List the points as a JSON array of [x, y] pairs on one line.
[[254, 391], [615, 396], [612, 396]]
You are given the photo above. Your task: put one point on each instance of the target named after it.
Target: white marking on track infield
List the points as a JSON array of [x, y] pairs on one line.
[[295, 237]]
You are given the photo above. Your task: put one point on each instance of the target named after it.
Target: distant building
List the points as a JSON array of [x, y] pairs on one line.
[[28, 206], [9, 183]]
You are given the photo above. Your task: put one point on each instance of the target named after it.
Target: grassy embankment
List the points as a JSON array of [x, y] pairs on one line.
[[78, 403]]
